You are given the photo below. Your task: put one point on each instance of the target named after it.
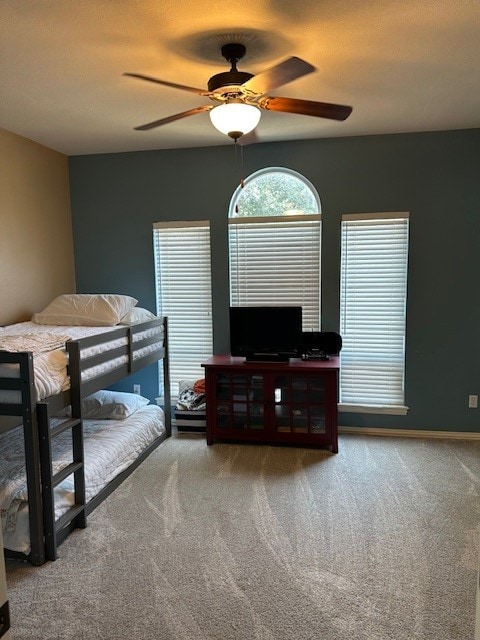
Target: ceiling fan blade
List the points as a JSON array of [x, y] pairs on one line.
[[177, 116], [200, 92], [306, 107], [283, 72]]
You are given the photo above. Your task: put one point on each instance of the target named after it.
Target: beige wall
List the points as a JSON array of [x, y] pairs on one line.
[[36, 245]]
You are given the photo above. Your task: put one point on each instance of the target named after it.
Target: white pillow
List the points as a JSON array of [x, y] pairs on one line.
[[136, 315], [111, 405], [86, 309]]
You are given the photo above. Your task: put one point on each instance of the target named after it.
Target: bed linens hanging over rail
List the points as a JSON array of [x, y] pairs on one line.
[[51, 372], [111, 446], [33, 386]]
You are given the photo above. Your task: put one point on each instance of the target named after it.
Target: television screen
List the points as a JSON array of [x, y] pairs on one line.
[[266, 333]]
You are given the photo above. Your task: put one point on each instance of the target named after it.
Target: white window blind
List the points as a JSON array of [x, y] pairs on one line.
[[183, 288], [373, 311], [276, 261]]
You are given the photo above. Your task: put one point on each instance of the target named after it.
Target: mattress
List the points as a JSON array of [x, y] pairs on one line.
[[51, 367], [110, 447]]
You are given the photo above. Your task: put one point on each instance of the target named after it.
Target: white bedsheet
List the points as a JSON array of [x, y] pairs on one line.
[[51, 367], [110, 447]]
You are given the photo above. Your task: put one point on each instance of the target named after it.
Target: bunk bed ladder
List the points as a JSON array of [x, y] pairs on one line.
[[166, 380], [26, 410], [75, 517]]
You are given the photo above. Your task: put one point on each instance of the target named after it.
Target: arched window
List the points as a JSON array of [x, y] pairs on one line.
[[274, 243]]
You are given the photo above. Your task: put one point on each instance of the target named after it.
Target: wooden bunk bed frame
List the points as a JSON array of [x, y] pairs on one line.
[[46, 533]]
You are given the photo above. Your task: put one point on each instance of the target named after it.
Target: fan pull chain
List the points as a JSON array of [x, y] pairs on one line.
[[242, 180]]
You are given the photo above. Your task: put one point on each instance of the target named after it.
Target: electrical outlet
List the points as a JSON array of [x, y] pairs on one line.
[[136, 389], [473, 401]]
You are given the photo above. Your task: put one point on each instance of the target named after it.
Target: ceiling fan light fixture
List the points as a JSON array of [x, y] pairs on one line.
[[235, 119]]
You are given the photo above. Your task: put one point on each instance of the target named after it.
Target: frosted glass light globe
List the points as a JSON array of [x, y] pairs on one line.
[[235, 119]]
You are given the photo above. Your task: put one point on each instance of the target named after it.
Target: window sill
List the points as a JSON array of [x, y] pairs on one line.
[[394, 410]]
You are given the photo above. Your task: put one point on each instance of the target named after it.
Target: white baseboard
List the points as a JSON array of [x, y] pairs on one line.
[[410, 433]]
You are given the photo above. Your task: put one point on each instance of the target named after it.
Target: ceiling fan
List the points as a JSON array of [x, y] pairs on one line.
[[240, 95]]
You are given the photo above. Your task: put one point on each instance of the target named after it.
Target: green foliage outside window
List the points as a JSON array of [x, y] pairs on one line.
[[275, 194]]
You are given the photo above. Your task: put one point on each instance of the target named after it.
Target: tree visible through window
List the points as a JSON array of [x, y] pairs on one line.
[[273, 193]]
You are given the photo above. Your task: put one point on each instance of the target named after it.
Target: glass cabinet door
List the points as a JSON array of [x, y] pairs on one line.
[[299, 404], [240, 402]]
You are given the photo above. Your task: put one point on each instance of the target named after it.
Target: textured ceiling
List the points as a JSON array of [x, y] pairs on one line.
[[411, 65]]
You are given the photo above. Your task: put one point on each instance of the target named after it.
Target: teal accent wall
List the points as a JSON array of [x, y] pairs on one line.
[[116, 198]]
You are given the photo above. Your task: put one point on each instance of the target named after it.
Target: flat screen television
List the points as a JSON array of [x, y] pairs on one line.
[[266, 334]]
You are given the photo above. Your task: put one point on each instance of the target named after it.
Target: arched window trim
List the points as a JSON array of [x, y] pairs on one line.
[[261, 172]]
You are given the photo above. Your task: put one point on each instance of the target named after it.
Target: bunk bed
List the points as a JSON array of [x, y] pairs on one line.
[[90, 359]]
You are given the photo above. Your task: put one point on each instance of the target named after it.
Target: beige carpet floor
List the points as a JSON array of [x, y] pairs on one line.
[[244, 542]]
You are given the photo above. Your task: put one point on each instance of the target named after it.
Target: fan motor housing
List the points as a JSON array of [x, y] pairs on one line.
[[228, 78]]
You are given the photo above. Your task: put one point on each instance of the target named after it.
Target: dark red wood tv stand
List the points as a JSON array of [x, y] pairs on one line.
[[280, 403]]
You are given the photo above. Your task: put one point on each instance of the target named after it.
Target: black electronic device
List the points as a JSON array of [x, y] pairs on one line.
[[266, 333], [320, 345]]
